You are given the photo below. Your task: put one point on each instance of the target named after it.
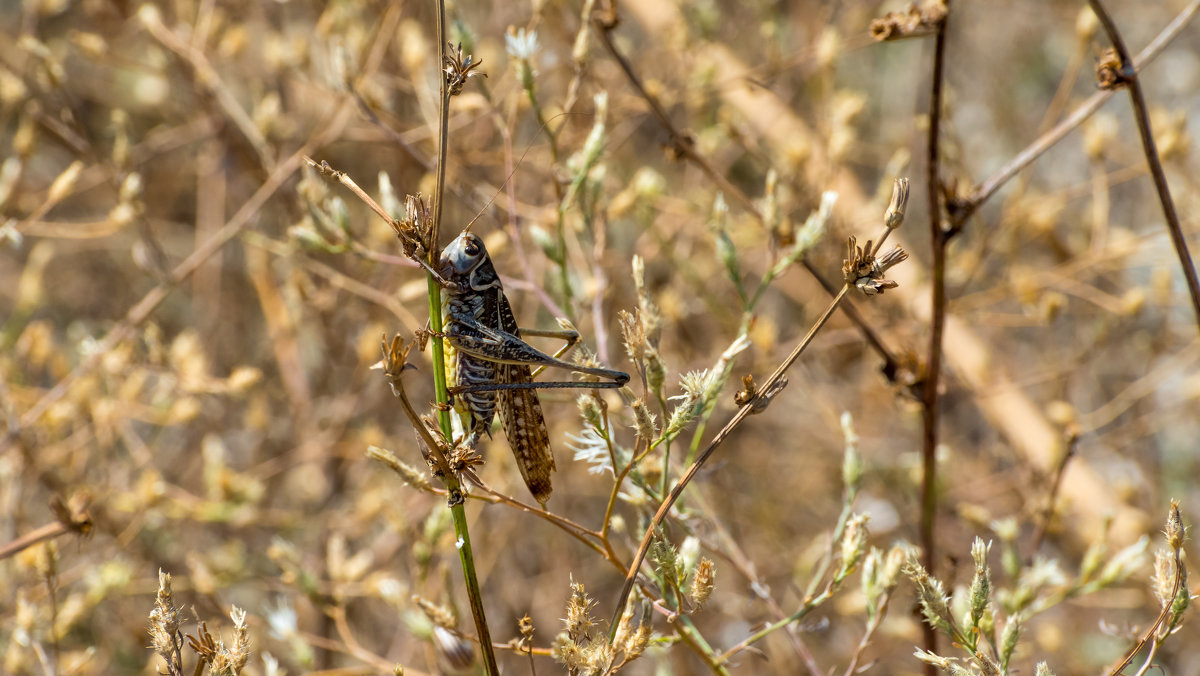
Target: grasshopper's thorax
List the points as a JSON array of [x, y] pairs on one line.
[[476, 294]]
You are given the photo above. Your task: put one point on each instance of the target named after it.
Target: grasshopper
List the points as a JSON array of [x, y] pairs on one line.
[[490, 366]]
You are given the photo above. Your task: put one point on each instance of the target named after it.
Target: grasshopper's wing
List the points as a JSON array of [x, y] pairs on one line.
[[521, 413], [525, 427]]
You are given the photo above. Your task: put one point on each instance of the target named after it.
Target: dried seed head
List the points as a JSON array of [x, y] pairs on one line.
[[458, 69], [525, 626], [703, 582], [1042, 670], [1175, 531], [1110, 72]]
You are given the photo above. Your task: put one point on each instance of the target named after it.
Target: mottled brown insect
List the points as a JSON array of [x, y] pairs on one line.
[[489, 365]]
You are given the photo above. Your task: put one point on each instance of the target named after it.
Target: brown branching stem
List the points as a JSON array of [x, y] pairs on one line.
[[756, 404], [1150, 636], [965, 207], [940, 237], [1142, 117], [685, 148]]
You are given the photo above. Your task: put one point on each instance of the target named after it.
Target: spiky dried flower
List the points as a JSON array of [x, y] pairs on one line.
[[636, 645], [703, 582], [458, 69], [1042, 669], [579, 613], [415, 228], [229, 661], [165, 637], [932, 596]]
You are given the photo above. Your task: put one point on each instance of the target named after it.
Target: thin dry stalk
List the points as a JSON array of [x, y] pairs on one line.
[[939, 238], [683, 146], [963, 208], [1128, 76]]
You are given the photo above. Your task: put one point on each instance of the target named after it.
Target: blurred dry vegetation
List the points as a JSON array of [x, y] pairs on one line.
[[190, 316]]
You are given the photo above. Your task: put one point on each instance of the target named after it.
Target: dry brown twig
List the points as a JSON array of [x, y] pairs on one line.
[[756, 399]]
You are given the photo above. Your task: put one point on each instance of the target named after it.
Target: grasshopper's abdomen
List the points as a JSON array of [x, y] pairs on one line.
[[477, 409]]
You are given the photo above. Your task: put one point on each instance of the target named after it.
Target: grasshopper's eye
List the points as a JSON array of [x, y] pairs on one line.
[[472, 247]]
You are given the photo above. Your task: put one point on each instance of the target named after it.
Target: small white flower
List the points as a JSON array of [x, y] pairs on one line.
[[521, 44], [591, 448]]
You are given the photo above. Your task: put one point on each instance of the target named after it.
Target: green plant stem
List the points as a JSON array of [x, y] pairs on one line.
[[455, 501]]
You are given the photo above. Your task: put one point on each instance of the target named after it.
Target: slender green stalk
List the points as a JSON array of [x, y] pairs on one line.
[[457, 509]]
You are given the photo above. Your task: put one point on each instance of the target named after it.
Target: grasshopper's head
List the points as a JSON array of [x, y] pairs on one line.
[[463, 256]]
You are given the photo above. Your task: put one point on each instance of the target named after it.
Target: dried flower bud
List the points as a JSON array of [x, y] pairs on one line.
[[981, 583], [932, 596], [1042, 670], [439, 615], [589, 409], [1008, 639], [854, 542], [1175, 530], [894, 216]]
